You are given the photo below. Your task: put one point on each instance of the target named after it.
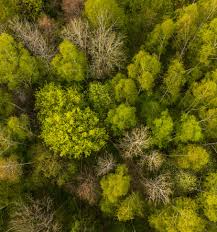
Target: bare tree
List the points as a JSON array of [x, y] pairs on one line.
[[105, 164], [158, 190], [72, 8], [32, 38], [104, 46], [133, 143], [106, 49], [34, 216], [153, 161], [85, 186], [78, 32]]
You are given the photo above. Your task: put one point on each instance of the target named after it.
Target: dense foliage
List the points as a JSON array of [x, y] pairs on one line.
[[108, 115]]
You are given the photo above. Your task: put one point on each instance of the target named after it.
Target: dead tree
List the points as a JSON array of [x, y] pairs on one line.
[[105, 164], [34, 216], [134, 142]]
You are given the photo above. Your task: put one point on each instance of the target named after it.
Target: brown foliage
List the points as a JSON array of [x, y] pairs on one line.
[[46, 24], [86, 187], [72, 8], [34, 216]]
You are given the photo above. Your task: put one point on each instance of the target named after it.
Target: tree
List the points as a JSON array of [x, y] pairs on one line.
[[104, 8], [72, 8], [10, 169], [160, 36], [158, 190], [115, 185], [130, 207], [19, 128], [18, 68], [153, 161], [34, 215], [31, 9], [6, 103], [209, 122], [180, 216], [100, 97], [208, 50], [105, 164], [78, 32], [189, 129], [208, 197], [185, 182], [174, 79], [106, 48], [32, 38], [51, 168], [54, 98], [186, 26], [121, 118], [135, 142], [78, 133], [162, 129], [144, 69], [192, 157], [125, 90], [69, 64]]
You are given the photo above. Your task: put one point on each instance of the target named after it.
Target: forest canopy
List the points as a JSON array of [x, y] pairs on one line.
[[108, 115]]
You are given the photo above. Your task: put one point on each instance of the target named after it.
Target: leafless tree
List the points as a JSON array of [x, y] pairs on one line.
[[158, 190], [85, 186], [153, 161], [105, 164], [78, 32], [104, 46], [32, 38], [106, 49], [134, 142], [72, 8], [34, 216]]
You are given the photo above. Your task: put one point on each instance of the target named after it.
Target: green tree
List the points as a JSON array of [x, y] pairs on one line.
[[144, 69], [130, 207], [17, 67], [30, 9], [50, 167], [174, 79], [108, 9], [160, 36], [186, 26], [100, 97], [208, 50], [189, 129], [208, 197], [125, 89], [19, 128], [115, 185], [121, 118], [70, 64], [6, 103], [53, 98], [192, 157], [162, 129], [73, 133], [181, 216], [185, 182]]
